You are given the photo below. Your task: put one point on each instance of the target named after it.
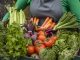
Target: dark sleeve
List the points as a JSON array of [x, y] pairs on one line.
[[75, 7], [64, 5]]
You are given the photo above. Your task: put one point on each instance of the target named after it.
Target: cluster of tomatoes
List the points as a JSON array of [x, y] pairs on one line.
[[44, 36], [41, 42]]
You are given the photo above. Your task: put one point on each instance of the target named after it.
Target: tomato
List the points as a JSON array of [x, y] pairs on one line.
[[31, 49], [41, 37], [51, 41], [38, 48], [55, 38], [41, 33], [48, 43]]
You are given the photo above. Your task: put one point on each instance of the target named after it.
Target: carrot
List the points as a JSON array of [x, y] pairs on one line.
[[49, 22], [52, 25], [45, 21], [41, 37], [47, 26], [40, 29], [54, 38], [37, 21], [41, 33]]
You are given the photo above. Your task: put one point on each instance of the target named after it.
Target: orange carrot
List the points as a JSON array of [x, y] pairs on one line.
[[47, 19], [52, 25], [40, 29], [47, 26], [49, 22], [37, 21]]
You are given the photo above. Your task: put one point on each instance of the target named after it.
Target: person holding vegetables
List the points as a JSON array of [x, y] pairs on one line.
[[51, 8]]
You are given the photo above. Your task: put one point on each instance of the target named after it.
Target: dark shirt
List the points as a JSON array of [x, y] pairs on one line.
[[44, 8]]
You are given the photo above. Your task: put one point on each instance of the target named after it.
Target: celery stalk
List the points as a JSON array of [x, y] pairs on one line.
[[23, 17], [66, 20], [73, 20], [20, 17], [15, 15], [63, 17], [10, 21], [70, 26]]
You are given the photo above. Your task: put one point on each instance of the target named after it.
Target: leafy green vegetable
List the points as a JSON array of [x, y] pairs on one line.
[[68, 43], [13, 42], [67, 54], [49, 53]]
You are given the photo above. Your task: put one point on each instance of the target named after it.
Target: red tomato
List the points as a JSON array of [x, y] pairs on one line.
[[41, 33], [51, 41], [41, 37], [31, 49], [48, 43], [38, 48], [55, 38]]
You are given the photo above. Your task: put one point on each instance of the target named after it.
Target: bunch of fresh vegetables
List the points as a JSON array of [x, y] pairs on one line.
[[16, 16], [56, 46], [48, 23], [42, 36], [15, 45], [68, 20], [42, 42], [12, 42], [65, 47]]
